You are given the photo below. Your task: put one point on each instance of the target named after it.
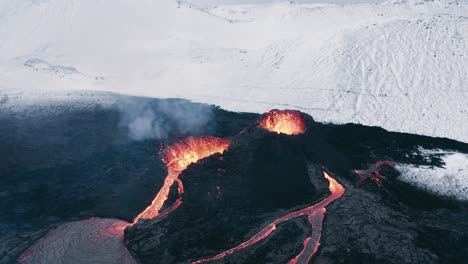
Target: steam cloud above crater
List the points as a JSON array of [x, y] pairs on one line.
[[146, 120]]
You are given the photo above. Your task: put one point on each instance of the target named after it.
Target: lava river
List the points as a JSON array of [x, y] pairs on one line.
[[315, 215]]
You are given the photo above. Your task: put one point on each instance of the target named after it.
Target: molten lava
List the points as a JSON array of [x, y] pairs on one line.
[[286, 122], [177, 158], [315, 215]]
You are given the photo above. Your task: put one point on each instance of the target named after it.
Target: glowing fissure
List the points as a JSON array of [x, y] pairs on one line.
[[285, 122], [177, 158], [315, 215]]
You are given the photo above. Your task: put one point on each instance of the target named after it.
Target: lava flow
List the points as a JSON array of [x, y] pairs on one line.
[[287, 122], [315, 215], [177, 158], [373, 173]]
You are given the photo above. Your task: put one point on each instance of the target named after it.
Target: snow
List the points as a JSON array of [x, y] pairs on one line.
[[451, 180], [399, 65], [208, 3]]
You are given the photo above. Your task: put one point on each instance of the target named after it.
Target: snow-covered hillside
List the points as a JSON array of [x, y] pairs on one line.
[[400, 65]]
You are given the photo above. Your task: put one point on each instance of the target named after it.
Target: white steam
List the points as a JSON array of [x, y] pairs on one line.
[[151, 119], [145, 125]]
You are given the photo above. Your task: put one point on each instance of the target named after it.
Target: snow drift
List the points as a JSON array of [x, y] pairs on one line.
[[399, 65]]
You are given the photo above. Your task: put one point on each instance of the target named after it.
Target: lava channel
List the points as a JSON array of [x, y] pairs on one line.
[[315, 215], [283, 121], [177, 158]]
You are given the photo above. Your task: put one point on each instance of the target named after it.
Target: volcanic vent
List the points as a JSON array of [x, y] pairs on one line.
[[287, 122]]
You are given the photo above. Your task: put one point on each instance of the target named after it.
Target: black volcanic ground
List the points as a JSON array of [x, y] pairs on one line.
[[74, 164]]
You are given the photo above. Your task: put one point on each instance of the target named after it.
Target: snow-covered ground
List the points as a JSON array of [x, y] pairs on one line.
[[400, 65], [451, 180]]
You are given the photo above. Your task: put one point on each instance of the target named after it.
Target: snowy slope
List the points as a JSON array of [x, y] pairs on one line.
[[400, 65]]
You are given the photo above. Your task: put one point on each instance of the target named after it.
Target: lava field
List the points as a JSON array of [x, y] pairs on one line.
[[247, 188]]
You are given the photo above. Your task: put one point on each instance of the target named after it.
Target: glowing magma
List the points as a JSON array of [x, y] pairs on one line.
[[177, 158], [315, 215], [283, 121]]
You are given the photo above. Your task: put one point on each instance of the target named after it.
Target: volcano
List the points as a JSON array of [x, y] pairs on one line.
[[271, 188], [268, 168]]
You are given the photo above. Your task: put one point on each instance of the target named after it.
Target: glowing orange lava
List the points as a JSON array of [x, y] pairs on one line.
[[177, 158], [315, 215], [286, 122]]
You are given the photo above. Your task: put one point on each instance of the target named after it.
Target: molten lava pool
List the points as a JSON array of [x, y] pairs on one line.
[[93, 240]]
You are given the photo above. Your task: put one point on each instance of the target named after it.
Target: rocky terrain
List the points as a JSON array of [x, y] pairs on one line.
[[62, 164]]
